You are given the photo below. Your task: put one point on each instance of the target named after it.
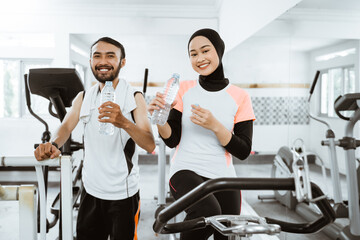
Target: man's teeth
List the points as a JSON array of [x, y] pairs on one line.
[[104, 70]]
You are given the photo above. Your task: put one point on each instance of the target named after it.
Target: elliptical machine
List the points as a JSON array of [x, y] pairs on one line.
[[60, 86], [285, 159], [237, 226]]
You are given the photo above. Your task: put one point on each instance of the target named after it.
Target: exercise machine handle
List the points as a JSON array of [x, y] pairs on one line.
[[314, 83], [347, 102], [221, 184], [46, 134], [328, 216], [188, 225], [27, 93], [337, 111], [145, 80]]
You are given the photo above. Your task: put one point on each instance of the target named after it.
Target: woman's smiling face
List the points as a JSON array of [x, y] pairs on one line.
[[203, 56]]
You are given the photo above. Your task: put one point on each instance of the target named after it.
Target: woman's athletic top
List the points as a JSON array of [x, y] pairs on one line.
[[198, 148]]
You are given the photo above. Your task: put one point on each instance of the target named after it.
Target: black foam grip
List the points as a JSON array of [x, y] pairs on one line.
[[314, 82], [145, 80]]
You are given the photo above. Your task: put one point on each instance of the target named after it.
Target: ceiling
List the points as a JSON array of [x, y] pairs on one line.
[[306, 10], [132, 8], [211, 8], [326, 12], [330, 4], [206, 4], [143, 2]]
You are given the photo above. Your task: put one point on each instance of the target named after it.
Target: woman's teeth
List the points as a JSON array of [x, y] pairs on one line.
[[204, 65]]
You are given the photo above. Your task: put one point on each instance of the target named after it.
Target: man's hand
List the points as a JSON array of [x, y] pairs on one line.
[[45, 151], [110, 112]]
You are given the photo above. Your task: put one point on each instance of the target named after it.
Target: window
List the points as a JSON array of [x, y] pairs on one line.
[[12, 91], [335, 82], [9, 88]]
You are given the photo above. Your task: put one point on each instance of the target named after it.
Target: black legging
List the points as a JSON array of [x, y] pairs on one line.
[[225, 202]]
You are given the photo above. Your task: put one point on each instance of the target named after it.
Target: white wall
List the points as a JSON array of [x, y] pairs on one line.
[[266, 60], [270, 60], [269, 138], [162, 55]]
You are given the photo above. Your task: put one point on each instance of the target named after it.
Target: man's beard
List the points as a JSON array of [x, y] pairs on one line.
[[102, 78]]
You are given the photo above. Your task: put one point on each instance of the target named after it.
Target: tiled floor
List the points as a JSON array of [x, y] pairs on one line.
[[9, 210]]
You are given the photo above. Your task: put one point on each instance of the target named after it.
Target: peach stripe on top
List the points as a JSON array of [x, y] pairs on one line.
[[184, 87], [175, 153], [242, 99], [228, 158]]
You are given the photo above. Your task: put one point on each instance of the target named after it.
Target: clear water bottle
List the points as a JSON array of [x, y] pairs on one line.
[[107, 94], [170, 90]]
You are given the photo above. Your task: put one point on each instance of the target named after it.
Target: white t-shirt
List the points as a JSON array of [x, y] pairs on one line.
[[108, 173], [199, 149]]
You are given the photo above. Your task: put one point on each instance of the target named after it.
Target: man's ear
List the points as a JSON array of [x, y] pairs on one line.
[[123, 62]]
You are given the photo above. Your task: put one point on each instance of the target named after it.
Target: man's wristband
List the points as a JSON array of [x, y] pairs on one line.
[[55, 144]]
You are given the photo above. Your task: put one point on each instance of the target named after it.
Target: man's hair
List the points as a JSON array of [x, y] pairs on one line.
[[111, 41]]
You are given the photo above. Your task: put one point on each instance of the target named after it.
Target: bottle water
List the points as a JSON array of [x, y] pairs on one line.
[[107, 94], [170, 90]]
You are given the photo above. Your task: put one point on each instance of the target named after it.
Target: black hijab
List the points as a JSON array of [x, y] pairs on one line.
[[216, 80]]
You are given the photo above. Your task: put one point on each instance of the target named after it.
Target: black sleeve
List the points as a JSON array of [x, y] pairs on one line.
[[174, 121], [241, 140], [137, 91]]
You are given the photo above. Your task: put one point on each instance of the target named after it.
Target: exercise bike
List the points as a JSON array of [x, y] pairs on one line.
[[285, 160]]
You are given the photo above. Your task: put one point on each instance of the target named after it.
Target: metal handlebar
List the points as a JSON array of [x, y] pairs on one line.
[[222, 184], [242, 225]]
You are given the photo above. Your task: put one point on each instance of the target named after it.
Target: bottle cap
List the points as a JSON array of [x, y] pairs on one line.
[[176, 75]]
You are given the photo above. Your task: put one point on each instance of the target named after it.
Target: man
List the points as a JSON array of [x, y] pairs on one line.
[[110, 199]]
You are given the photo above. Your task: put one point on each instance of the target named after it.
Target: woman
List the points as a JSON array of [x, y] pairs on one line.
[[210, 120]]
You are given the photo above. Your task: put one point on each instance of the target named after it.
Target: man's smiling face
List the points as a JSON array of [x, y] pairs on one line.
[[105, 61]]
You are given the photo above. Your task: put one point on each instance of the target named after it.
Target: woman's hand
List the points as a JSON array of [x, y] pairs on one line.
[[157, 103], [204, 118]]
